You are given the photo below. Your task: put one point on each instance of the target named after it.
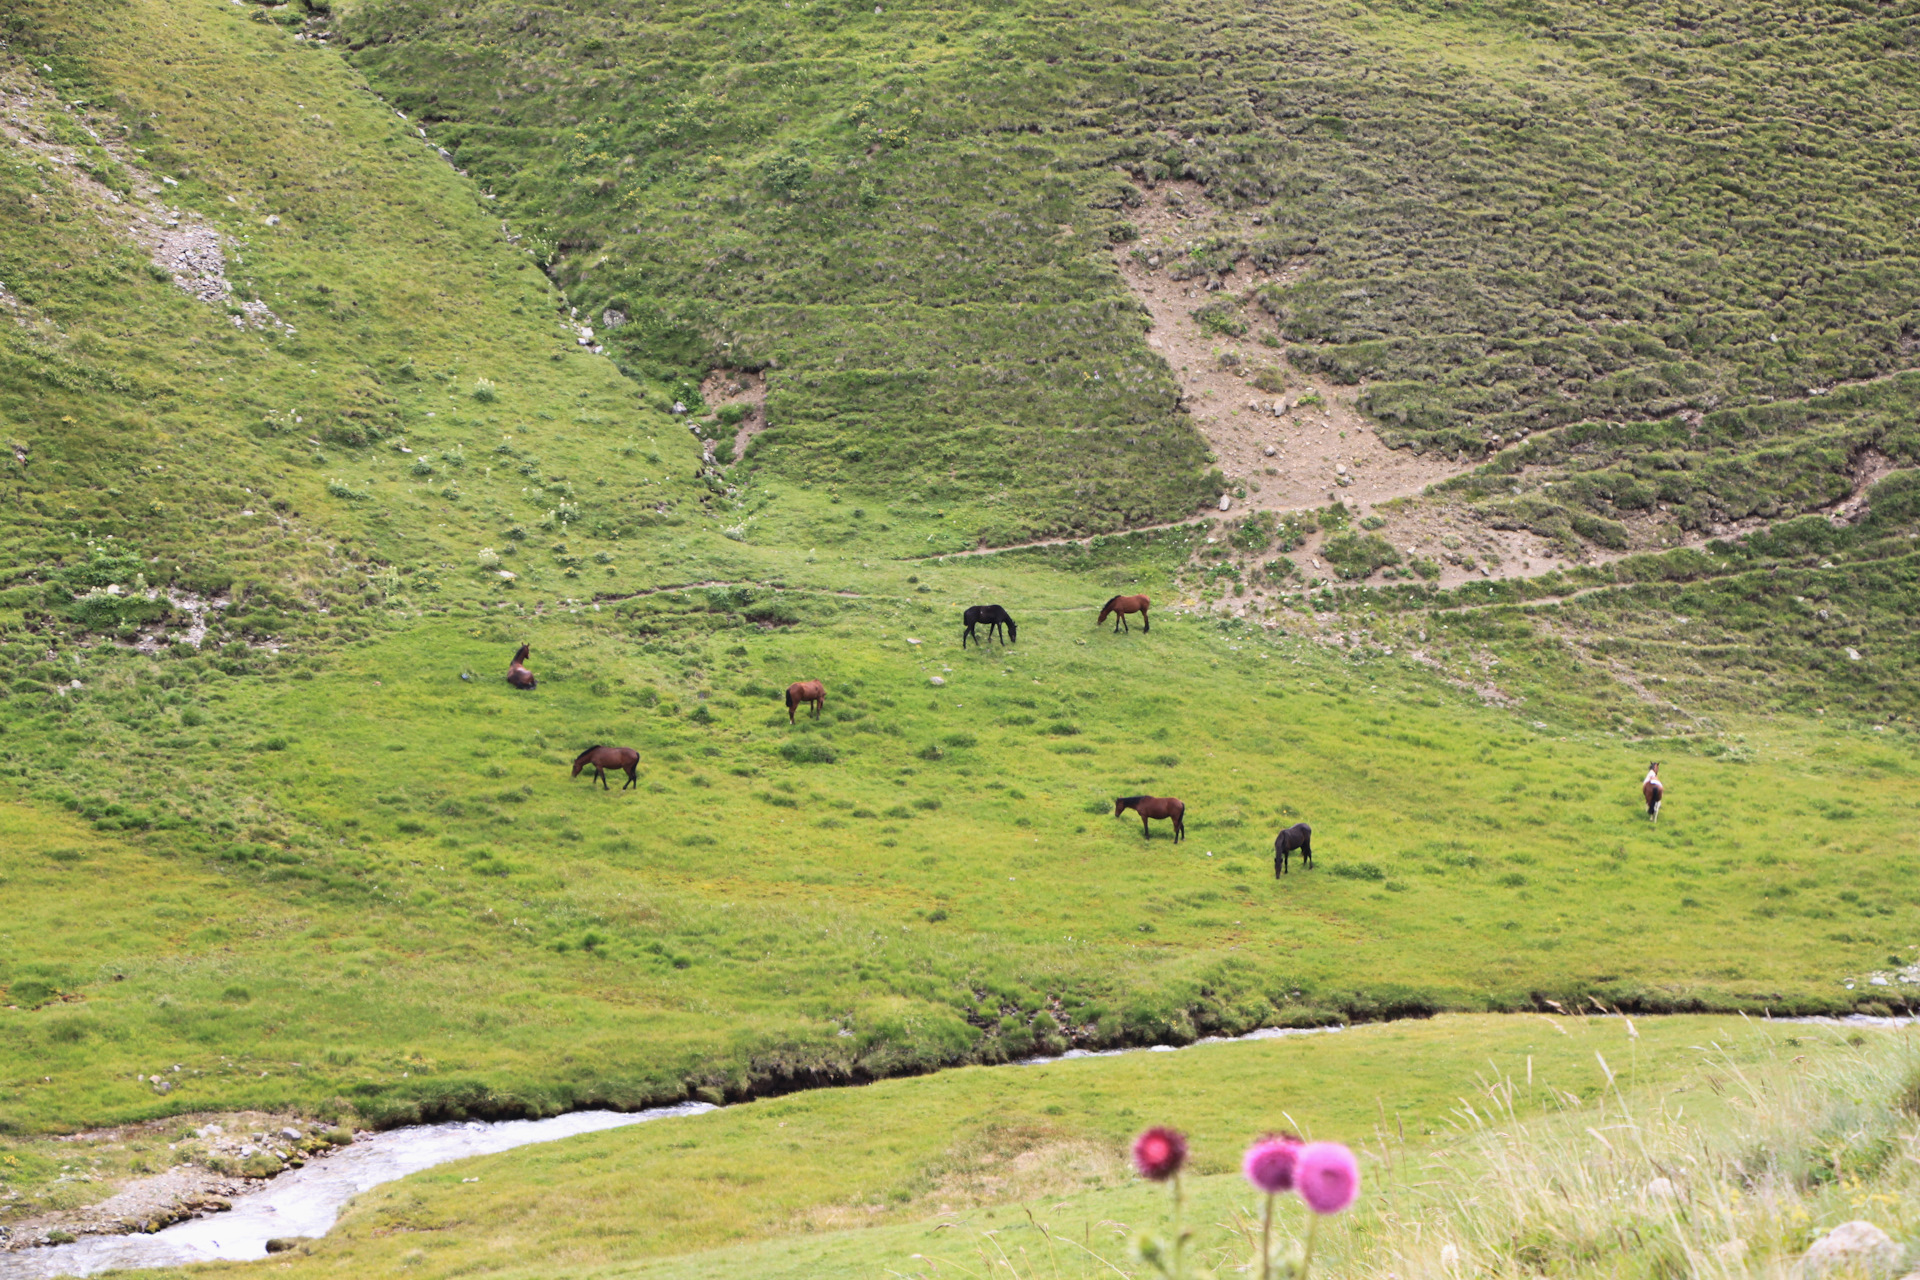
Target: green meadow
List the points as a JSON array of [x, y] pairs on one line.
[[274, 829]]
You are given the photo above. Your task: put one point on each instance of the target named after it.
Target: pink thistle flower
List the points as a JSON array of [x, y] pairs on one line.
[[1159, 1152], [1327, 1177], [1270, 1163]]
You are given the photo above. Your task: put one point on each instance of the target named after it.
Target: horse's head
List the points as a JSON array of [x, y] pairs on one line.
[[1013, 631]]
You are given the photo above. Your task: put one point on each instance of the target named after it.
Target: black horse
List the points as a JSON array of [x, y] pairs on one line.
[[994, 616], [1298, 836]]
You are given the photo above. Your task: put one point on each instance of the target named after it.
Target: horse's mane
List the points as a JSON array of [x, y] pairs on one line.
[[521, 655], [584, 754], [1109, 604], [1131, 799]]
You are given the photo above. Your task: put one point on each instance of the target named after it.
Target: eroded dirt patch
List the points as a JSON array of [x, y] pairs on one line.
[[1291, 440]]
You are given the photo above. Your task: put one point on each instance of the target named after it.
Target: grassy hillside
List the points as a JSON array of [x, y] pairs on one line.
[[1505, 220]]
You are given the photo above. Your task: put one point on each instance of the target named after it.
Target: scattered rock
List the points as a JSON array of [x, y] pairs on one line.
[[1270, 451], [1660, 1189], [613, 318], [935, 680], [1226, 501], [285, 1244], [1853, 655], [1858, 1246]]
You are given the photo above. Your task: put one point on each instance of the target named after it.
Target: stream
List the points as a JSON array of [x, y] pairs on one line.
[[307, 1201]]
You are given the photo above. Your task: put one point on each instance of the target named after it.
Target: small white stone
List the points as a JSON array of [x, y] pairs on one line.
[[1226, 501], [936, 680]]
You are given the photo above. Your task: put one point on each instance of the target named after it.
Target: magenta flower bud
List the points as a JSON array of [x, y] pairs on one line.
[[1270, 1163], [1327, 1177], [1159, 1152]]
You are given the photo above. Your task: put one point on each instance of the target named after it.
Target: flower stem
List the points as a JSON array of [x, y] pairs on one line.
[[1306, 1256], [1179, 1236], [1266, 1241]]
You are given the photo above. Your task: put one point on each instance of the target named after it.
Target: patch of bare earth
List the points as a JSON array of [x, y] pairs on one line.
[[192, 253], [725, 387], [1294, 442]]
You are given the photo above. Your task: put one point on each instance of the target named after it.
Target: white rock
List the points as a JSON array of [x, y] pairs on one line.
[[291, 1134], [936, 680], [1340, 469], [1269, 451], [911, 640], [1226, 501], [1853, 655], [1856, 1245], [1660, 1189]]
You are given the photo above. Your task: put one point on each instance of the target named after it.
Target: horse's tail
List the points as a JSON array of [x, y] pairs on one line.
[[1106, 609], [793, 699]]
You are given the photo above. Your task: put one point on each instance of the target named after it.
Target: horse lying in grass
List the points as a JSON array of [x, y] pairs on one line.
[[1653, 792], [994, 616], [806, 691], [517, 674], [1298, 836], [601, 759], [1120, 607], [1155, 807]]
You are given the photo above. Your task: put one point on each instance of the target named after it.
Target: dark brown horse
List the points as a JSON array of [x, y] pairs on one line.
[[1120, 607], [1652, 791], [1155, 807], [1299, 837], [601, 759], [517, 674], [806, 691]]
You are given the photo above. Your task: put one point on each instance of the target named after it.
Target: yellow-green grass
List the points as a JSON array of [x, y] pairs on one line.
[[858, 1182], [418, 907]]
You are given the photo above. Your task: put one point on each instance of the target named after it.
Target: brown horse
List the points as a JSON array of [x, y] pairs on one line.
[[1120, 607], [806, 691], [601, 759], [1652, 791], [517, 674], [1155, 807]]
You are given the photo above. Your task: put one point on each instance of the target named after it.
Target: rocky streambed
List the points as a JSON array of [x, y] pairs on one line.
[[305, 1201]]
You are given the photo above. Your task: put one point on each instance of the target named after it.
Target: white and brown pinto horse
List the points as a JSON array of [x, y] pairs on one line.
[[1652, 791]]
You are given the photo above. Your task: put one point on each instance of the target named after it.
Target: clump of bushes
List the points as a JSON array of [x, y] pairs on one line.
[[1356, 555]]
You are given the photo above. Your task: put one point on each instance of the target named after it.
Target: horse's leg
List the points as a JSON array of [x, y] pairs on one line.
[[633, 778], [1179, 827], [601, 774], [1144, 833], [1146, 623]]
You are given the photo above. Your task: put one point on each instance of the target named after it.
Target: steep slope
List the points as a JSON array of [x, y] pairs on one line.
[[264, 341]]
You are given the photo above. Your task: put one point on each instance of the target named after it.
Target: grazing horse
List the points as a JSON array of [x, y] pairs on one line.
[[601, 759], [1298, 836], [1155, 807], [995, 617], [1120, 607], [806, 691], [1651, 790], [517, 674]]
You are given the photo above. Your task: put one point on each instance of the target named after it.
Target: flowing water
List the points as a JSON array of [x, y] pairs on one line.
[[307, 1201]]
